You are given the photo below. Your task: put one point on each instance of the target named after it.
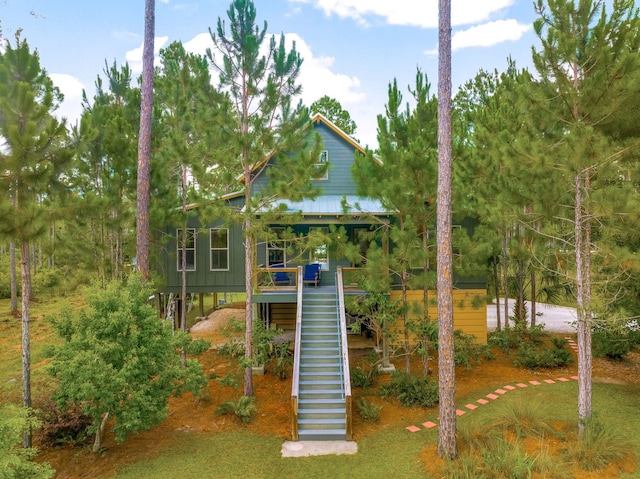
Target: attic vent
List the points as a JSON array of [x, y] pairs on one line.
[[323, 159]]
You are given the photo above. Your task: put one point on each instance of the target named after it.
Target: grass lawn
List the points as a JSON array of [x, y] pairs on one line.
[[393, 452], [538, 424]]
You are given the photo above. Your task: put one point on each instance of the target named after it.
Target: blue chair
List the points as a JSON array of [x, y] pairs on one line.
[[311, 274], [280, 278]]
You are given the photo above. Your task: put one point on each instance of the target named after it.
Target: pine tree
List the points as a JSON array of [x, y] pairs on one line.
[[447, 447], [144, 142], [104, 186], [402, 176], [189, 110], [34, 158], [588, 69], [261, 81]]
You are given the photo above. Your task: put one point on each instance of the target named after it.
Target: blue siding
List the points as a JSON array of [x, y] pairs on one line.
[[341, 155]]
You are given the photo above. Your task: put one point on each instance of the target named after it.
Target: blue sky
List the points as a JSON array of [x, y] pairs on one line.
[[352, 49]]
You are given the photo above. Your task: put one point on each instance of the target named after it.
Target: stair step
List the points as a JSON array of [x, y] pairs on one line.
[[320, 424], [321, 385], [314, 375], [322, 435], [311, 371], [321, 413], [320, 367], [316, 358], [321, 351], [324, 403], [320, 394], [313, 336]]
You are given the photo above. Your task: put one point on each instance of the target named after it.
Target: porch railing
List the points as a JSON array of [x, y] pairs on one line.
[[344, 350], [295, 384], [267, 279]]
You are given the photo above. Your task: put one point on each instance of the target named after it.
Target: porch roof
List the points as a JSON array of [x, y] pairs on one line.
[[337, 205]]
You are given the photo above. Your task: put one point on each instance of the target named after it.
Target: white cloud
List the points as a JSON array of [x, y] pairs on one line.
[[134, 57], [199, 44], [316, 75], [489, 34], [71, 87], [418, 13]]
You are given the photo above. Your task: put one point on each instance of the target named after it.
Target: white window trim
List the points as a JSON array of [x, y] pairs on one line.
[[323, 159], [212, 249], [191, 231]]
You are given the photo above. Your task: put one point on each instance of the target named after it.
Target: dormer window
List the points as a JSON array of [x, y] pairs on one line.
[[323, 159]]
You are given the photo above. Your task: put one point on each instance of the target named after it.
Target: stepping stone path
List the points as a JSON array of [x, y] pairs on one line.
[[499, 392]]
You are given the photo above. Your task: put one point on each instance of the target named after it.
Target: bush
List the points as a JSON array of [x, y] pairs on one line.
[[368, 410], [411, 391], [232, 349], [467, 350], [17, 462], [611, 344], [361, 378], [282, 359], [244, 409], [230, 380], [535, 357]]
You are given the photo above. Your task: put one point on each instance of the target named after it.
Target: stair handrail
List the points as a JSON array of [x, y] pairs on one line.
[[344, 352], [295, 382]]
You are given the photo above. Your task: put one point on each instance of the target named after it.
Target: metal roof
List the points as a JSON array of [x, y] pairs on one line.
[[334, 205]]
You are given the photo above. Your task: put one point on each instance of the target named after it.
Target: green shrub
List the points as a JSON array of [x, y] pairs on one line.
[[244, 409], [531, 356], [467, 350], [361, 378], [232, 349], [611, 344], [505, 339], [17, 462], [282, 359], [230, 380], [368, 410], [411, 391]]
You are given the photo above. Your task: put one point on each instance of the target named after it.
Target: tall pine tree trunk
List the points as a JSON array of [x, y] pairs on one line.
[[496, 283], [144, 143], [249, 246], [183, 292], [447, 447], [407, 346], [13, 276], [505, 274], [533, 297], [583, 296], [26, 339]]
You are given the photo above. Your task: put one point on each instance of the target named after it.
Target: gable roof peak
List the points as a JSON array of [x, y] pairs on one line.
[[320, 118]]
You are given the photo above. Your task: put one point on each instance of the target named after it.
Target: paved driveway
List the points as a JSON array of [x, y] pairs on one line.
[[557, 319]]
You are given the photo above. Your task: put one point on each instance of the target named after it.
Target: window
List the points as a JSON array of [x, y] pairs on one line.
[[323, 160], [320, 252], [277, 250], [189, 251], [219, 249]]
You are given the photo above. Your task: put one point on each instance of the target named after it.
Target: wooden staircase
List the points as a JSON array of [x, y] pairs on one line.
[[322, 412]]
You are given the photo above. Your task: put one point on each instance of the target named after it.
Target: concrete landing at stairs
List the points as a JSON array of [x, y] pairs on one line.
[[318, 448]]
